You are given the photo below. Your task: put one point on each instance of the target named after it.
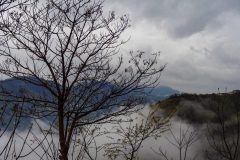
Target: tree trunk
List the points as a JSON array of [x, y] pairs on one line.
[[62, 138], [64, 153]]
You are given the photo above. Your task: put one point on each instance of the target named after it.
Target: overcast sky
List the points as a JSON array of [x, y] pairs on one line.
[[199, 40]]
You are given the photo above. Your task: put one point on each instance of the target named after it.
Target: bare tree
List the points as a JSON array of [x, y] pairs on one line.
[[182, 141], [129, 138], [70, 48], [86, 143], [223, 136]]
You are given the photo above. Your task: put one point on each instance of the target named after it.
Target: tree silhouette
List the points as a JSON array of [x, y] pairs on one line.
[[71, 49]]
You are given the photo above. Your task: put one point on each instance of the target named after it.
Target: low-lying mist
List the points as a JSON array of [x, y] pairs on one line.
[[151, 148]]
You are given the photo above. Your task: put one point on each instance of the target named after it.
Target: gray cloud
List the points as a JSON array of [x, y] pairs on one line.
[[181, 18], [199, 40]]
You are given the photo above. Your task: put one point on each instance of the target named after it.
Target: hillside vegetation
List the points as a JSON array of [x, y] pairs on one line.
[[201, 108]]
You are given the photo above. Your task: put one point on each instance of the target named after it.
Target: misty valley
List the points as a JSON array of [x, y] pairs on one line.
[[119, 80], [166, 125]]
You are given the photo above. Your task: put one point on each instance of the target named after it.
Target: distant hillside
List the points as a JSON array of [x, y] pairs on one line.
[[159, 93], [22, 88], [201, 108], [149, 95]]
